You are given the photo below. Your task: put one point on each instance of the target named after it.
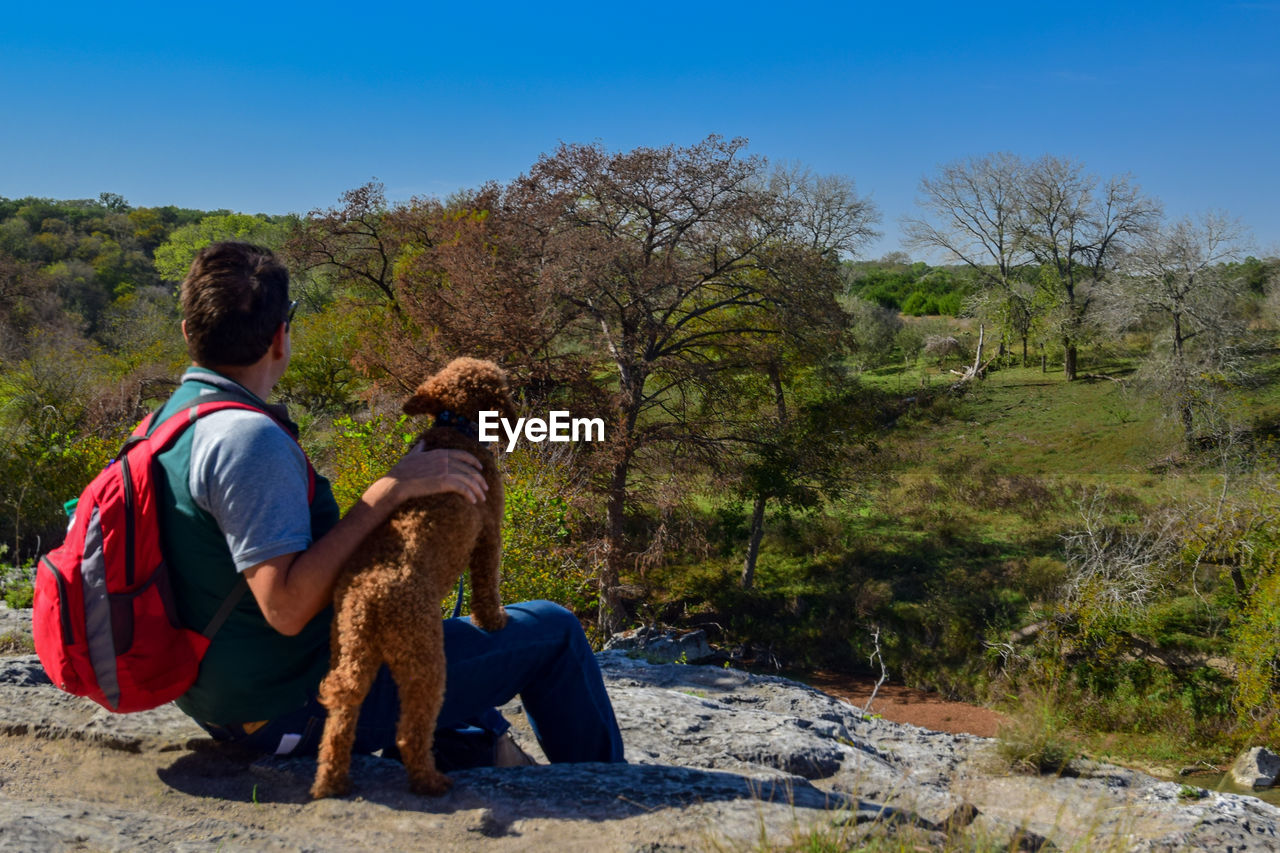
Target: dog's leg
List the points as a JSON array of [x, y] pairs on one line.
[[486, 597], [419, 671], [355, 665]]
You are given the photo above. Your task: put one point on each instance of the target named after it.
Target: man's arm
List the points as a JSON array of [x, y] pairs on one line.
[[292, 588]]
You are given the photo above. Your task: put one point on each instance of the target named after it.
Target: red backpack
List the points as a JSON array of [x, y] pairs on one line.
[[103, 617]]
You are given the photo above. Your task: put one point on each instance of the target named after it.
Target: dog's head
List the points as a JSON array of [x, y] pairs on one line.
[[467, 387]]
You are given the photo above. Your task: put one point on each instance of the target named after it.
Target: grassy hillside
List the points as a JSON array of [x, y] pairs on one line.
[[955, 540]]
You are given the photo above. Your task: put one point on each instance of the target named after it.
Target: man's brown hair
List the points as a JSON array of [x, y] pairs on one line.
[[234, 298]]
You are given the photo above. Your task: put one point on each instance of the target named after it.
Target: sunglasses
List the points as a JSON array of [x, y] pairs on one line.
[[288, 318]]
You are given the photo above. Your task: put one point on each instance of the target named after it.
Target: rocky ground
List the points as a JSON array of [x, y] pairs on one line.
[[719, 760]]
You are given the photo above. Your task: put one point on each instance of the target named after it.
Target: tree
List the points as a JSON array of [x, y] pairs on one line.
[[1178, 273], [1258, 275], [114, 202], [977, 205], [488, 247], [357, 242], [824, 212], [675, 260], [173, 257], [800, 449], [873, 330], [1077, 234], [974, 214]]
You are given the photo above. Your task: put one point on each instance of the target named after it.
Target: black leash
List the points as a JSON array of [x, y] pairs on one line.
[[457, 604], [463, 425]]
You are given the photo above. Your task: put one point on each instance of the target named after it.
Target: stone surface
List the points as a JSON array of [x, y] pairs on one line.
[[1256, 768], [658, 645], [718, 758], [14, 622]]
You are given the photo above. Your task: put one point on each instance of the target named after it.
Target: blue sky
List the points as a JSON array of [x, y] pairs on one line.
[[278, 107]]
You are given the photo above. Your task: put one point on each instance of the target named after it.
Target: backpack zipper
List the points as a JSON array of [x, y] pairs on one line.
[[64, 606], [128, 520]]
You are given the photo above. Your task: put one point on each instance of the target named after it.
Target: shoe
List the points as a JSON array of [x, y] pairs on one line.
[[507, 753]]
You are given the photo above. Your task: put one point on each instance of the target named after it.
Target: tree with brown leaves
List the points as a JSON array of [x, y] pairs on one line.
[[677, 263]]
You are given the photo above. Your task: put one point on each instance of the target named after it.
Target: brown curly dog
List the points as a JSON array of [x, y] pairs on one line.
[[387, 601]]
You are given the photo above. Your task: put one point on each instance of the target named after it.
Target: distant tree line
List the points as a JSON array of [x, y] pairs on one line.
[[1060, 254], [89, 338], [915, 289]]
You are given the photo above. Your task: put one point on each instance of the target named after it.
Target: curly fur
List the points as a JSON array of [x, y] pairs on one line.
[[387, 600]]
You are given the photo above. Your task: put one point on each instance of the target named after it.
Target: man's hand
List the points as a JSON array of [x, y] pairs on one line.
[[292, 588], [431, 472]]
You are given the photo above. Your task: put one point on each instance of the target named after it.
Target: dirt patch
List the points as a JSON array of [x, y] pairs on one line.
[[900, 704]]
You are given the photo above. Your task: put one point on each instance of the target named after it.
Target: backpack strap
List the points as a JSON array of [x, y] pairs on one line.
[[206, 404], [228, 605], [185, 415], [173, 426]]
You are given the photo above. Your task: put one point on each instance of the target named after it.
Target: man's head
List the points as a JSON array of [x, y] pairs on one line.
[[234, 299]]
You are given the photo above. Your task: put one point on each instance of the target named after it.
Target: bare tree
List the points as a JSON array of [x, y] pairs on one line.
[[973, 215], [1114, 569], [357, 242], [1077, 233], [976, 208], [1177, 274], [823, 212]]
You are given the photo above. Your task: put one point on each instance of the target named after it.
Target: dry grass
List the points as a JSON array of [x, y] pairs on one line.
[[17, 643]]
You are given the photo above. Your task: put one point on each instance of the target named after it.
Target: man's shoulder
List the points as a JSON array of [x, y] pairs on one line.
[[242, 429], [239, 437]]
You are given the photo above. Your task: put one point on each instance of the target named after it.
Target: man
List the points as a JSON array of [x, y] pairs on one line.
[[238, 500]]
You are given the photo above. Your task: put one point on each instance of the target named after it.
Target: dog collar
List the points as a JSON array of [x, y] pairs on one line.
[[459, 422]]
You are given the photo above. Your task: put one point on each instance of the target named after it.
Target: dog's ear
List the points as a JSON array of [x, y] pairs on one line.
[[507, 407], [423, 401], [500, 391]]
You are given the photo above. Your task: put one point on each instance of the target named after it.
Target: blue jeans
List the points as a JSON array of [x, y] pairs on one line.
[[542, 656]]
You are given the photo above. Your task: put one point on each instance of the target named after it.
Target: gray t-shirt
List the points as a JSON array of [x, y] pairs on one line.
[[251, 477]]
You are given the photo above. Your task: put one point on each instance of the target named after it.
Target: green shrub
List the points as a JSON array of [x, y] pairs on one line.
[[16, 585], [322, 376], [539, 559], [19, 588], [39, 472], [1256, 652], [362, 451]]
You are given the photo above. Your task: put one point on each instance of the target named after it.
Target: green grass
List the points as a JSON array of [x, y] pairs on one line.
[[1154, 753], [1041, 425]]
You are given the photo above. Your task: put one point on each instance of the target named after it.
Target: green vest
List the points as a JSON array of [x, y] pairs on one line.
[[251, 672]]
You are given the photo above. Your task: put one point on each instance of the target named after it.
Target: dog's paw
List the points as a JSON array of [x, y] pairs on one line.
[[491, 621], [431, 784], [330, 786]]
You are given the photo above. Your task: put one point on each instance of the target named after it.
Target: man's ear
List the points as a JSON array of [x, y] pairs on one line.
[[278, 341]]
